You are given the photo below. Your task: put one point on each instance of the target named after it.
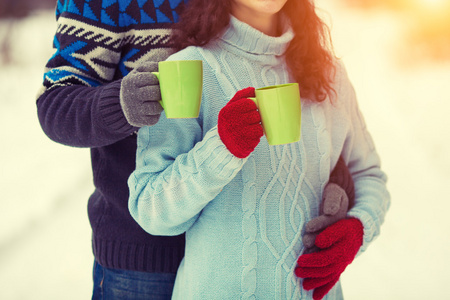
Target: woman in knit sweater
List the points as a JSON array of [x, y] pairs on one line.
[[242, 203]]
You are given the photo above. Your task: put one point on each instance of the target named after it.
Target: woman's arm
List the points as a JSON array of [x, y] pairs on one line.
[[372, 199], [177, 174]]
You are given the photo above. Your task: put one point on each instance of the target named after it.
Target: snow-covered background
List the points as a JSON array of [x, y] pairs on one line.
[[45, 248]]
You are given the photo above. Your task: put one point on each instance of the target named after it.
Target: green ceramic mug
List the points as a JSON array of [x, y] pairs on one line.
[[181, 87], [280, 110]]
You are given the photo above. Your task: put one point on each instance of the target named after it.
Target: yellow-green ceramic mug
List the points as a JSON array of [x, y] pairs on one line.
[[280, 110], [181, 87]]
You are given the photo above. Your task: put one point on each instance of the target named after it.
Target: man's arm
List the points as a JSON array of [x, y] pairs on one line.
[[96, 46]]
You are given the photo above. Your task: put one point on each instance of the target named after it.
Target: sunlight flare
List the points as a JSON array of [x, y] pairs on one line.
[[432, 3]]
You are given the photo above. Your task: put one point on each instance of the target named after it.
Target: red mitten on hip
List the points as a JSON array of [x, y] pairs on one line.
[[338, 245], [239, 124]]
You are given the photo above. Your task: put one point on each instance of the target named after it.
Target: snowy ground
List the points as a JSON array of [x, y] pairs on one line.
[[44, 231]]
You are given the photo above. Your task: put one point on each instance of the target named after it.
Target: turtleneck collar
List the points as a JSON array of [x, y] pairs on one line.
[[250, 40]]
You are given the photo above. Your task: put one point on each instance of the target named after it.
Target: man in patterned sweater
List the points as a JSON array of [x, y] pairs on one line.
[[91, 98], [98, 42]]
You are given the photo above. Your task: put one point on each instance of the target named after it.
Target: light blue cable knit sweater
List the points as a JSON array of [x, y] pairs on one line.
[[244, 218]]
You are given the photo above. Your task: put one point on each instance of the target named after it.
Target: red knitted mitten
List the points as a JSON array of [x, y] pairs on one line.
[[239, 124], [339, 244]]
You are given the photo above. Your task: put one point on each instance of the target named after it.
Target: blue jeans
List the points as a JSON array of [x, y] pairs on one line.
[[131, 285]]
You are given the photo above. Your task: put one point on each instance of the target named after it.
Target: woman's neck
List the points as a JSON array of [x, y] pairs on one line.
[[267, 24]]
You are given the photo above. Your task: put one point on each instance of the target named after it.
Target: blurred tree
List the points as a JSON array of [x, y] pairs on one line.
[[22, 8], [12, 10]]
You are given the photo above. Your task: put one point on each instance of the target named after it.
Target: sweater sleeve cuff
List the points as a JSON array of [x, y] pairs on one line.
[[110, 110], [215, 155], [371, 230]]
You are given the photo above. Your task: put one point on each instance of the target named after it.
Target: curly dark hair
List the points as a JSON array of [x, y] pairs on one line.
[[309, 55]]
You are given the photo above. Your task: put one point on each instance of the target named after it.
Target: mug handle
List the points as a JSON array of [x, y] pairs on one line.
[[157, 76]]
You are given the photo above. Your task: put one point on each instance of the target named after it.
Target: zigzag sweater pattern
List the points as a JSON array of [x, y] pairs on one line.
[[244, 218], [98, 42]]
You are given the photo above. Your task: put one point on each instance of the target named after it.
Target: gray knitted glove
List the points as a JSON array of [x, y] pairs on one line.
[[139, 95], [334, 208]]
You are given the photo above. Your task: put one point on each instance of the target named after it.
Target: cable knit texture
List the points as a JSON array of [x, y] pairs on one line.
[[244, 217]]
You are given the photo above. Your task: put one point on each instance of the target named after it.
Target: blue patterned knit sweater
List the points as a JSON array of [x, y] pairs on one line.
[[243, 218], [98, 42]]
